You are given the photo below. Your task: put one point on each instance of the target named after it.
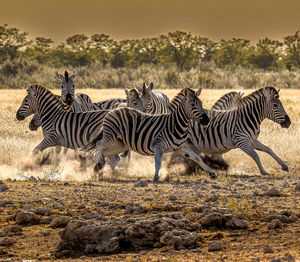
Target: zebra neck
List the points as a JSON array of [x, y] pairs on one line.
[[253, 107], [178, 121], [48, 106]]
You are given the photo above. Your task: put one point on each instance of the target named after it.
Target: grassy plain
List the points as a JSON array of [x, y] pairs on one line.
[[241, 191]]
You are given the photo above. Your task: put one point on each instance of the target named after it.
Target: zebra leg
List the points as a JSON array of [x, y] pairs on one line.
[[246, 147], [189, 153], [158, 153], [82, 160], [261, 147], [41, 147], [65, 150], [113, 161], [57, 150]]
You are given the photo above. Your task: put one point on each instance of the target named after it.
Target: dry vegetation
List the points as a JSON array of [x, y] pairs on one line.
[[237, 210]]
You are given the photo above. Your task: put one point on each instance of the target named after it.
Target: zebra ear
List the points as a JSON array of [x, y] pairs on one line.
[[138, 88], [127, 92], [278, 90], [75, 74], [267, 94], [198, 92], [30, 90], [59, 76], [151, 86], [144, 91]]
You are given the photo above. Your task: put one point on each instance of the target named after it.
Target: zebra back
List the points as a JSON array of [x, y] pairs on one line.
[[154, 102], [228, 101], [109, 104]]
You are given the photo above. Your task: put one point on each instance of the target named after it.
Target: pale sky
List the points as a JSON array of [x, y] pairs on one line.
[[127, 19]]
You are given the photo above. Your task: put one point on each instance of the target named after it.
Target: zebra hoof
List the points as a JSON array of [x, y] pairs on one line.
[[213, 175], [155, 180], [285, 167]]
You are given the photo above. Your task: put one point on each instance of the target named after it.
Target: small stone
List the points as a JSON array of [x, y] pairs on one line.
[[141, 183], [66, 183], [275, 223], [60, 221], [289, 258], [215, 246], [297, 187], [43, 211], [3, 188], [172, 198], [236, 223], [45, 232], [255, 259], [273, 192], [25, 218], [213, 198], [7, 241], [13, 230], [268, 249], [276, 260]]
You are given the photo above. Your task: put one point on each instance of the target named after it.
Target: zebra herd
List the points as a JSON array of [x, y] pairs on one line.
[[148, 123]]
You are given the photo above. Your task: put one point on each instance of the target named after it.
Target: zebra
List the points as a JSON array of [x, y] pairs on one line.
[[240, 127], [127, 128], [228, 101], [109, 104], [155, 102], [60, 127]]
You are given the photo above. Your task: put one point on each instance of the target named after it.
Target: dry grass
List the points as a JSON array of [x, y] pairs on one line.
[[17, 141]]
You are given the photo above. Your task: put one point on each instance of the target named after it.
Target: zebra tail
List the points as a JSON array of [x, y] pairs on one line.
[[91, 147]]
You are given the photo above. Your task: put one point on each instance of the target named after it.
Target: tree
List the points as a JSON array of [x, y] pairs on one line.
[[11, 41], [77, 42], [231, 52], [43, 43], [292, 43], [266, 54]]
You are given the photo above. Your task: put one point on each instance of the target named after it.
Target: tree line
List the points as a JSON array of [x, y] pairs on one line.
[[180, 49]]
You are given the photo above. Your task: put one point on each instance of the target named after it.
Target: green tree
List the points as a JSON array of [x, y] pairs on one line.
[[231, 52], [292, 58], [77, 42], [11, 41]]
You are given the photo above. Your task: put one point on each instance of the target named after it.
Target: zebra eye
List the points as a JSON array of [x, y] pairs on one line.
[[275, 106], [73, 85], [62, 86]]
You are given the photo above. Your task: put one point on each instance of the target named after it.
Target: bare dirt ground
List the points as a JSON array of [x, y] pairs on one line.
[[56, 212]]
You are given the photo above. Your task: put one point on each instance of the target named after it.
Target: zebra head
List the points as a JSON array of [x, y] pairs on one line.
[[274, 109], [67, 87], [134, 100], [194, 106], [35, 122], [146, 96], [29, 105]]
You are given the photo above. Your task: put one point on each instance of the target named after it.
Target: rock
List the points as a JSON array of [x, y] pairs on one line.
[[108, 246], [7, 241], [213, 219], [60, 221], [215, 246], [236, 223], [268, 249], [27, 218], [3, 188], [297, 187], [276, 260], [141, 183], [172, 198], [45, 232], [289, 258], [4, 203], [13, 230], [273, 192], [43, 211], [213, 198], [180, 239], [66, 183], [275, 223], [2, 234]]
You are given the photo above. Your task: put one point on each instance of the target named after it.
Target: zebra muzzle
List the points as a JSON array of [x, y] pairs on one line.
[[204, 120], [286, 123], [19, 116]]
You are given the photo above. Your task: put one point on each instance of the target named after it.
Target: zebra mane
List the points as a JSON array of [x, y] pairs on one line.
[[67, 76], [42, 89], [258, 93], [178, 98]]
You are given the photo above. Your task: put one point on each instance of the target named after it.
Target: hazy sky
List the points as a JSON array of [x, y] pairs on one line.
[[124, 19]]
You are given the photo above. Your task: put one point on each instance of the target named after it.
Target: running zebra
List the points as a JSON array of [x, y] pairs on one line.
[[155, 102], [146, 134], [228, 101], [60, 127], [240, 127]]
